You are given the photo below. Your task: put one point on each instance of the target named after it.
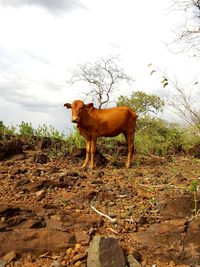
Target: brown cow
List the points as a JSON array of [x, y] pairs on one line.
[[93, 123]]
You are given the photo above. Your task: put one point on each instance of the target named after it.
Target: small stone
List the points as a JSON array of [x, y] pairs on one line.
[[79, 256], [78, 264], [40, 194], [69, 251], [73, 253], [77, 246]]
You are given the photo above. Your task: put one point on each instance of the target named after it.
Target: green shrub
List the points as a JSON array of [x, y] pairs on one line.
[[26, 129], [153, 136], [73, 140], [158, 137], [7, 130]]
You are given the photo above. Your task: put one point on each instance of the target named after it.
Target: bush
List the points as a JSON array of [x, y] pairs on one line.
[[26, 129], [7, 130], [74, 140], [153, 136], [158, 137]]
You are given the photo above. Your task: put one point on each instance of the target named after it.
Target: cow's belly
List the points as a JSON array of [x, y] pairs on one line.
[[112, 131]]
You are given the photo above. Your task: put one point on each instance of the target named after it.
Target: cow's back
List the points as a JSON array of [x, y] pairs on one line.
[[113, 121]]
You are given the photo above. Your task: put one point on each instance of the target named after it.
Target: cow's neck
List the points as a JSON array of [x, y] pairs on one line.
[[87, 119]]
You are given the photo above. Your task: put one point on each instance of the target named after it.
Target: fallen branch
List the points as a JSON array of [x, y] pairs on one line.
[[122, 196], [102, 214], [112, 230], [46, 255]]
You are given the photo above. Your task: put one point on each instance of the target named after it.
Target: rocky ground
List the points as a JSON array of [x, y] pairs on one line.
[[51, 209]]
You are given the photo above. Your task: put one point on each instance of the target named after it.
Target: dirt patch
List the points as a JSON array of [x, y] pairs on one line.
[[46, 207]]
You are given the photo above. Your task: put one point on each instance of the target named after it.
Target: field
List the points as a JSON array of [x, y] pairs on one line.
[[49, 204]]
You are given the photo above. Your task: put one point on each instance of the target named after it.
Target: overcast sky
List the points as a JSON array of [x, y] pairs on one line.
[[43, 41]]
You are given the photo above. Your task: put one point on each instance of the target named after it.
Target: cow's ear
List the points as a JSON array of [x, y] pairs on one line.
[[67, 105], [90, 105]]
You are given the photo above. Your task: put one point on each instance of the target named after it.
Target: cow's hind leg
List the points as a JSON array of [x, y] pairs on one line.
[[93, 149], [87, 159], [129, 140]]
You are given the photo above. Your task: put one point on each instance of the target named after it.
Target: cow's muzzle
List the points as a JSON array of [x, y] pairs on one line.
[[74, 120]]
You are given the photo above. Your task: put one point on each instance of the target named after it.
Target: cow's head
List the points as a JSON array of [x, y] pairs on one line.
[[78, 108]]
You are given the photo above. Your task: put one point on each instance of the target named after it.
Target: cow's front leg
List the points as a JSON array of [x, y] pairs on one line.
[[88, 146], [93, 149]]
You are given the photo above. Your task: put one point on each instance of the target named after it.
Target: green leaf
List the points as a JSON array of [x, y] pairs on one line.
[[152, 72], [165, 84], [164, 80]]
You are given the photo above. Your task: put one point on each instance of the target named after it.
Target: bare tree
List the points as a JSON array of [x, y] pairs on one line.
[[184, 100], [188, 34], [103, 77], [186, 103]]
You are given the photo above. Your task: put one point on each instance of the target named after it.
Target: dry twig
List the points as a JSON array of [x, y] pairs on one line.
[[102, 214]]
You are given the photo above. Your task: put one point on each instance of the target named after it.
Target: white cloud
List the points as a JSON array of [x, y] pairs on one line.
[[55, 7], [38, 51]]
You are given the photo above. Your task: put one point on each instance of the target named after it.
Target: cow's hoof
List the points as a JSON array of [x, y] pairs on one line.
[[92, 167], [84, 166]]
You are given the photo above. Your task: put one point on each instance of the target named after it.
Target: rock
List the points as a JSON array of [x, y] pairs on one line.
[[78, 152], [37, 241], [185, 203], [43, 143], [41, 158], [132, 262], [10, 256], [171, 226], [137, 255], [9, 149], [166, 236], [42, 184], [100, 159], [33, 224], [40, 194], [82, 237], [105, 252]]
